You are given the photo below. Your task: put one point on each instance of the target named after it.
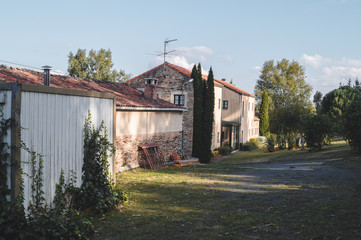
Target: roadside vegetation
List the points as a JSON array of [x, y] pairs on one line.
[[237, 199]]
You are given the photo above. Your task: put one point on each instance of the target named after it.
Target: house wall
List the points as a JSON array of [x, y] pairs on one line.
[[247, 119], [170, 83], [52, 122], [233, 113], [217, 124], [141, 127]]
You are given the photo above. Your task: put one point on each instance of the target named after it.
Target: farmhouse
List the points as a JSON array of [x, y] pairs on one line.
[[140, 117], [234, 121]]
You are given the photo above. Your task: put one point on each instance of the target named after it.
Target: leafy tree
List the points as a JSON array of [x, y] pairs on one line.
[[317, 99], [264, 120], [352, 123], [96, 66], [289, 95], [316, 128], [335, 103]]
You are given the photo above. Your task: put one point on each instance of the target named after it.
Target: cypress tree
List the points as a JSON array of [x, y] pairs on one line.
[[203, 114], [264, 129], [207, 118], [197, 109]]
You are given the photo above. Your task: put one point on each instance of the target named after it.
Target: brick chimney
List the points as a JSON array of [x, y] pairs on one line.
[[150, 90]]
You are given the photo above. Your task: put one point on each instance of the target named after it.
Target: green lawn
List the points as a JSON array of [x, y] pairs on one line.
[[217, 201]]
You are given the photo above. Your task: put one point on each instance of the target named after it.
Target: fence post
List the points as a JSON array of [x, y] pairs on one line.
[[15, 140]]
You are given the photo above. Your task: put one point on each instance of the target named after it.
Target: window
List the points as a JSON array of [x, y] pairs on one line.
[[217, 137], [179, 100], [243, 108], [219, 103], [225, 104]]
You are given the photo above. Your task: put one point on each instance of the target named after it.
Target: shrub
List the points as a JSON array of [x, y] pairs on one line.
[[98, 194], [292, 140], [316, 128], [224, 150], [271, 142], [249, 146], [215, 153], [262, 140], [352, 123]]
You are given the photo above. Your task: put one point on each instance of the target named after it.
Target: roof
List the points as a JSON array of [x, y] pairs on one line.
[[126, 96], [256, 118], [188, 73]]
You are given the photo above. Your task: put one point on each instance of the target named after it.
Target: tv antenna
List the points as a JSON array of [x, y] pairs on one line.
[[165, 48]]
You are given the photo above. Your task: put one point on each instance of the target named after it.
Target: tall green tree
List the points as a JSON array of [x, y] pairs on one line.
[[207, 118], [203, 110], [96, 66], [335, 103], [317, 99], [289, 95], [352, 123], [264, 120], [197, 109]]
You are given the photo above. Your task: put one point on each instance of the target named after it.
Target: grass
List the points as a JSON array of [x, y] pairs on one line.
[[217, 201]]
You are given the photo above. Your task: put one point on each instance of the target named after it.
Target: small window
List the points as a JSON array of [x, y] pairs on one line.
[[217, 137], [225, 104], [179, 100], [243, 108], [219, 103]]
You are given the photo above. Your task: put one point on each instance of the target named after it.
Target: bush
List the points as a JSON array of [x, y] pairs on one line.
[[249, 146], [224, 150], [261, 140], [215, 153], [352, 123], [316, 128], [271, 142], [98, 194]]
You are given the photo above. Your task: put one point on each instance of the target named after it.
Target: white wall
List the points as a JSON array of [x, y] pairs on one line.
[[216, 133], [247, 118], [133, 123], [53, 126]]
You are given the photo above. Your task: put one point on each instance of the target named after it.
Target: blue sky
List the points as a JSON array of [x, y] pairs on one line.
[[235, 37]]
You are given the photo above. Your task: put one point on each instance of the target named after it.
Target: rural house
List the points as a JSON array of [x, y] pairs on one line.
[[141, 117], [234, 121]]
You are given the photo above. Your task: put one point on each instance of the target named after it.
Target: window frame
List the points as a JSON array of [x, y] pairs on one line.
[[225, 104], [178, 99]]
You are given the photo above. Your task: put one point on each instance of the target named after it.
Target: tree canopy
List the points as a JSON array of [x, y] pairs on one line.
[[96, 66], [288, 92]]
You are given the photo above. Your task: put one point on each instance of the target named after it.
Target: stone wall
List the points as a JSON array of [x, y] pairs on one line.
[[169, 83], [126, 156]]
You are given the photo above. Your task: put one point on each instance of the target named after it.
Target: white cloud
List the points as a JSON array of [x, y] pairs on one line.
[[257, 69], [325, 74]]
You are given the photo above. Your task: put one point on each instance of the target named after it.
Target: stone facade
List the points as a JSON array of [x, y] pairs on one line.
[[127, 157], [169, 83]]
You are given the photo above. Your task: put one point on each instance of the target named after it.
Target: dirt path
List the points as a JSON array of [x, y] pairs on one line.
[[309, 199]]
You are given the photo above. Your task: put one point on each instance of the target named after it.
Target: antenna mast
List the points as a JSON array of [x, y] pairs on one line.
[[165, 48]]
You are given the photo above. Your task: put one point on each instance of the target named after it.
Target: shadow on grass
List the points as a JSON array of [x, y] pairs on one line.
[[234, 200]]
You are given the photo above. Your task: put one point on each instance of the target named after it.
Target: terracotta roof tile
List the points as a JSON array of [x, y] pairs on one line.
[[126, 96], [188, 73]]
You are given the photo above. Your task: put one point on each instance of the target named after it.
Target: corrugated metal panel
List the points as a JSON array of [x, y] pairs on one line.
[[53, 127], [5, 105]]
